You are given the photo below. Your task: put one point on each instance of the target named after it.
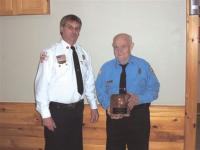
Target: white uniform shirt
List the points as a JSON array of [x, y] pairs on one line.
[[56, 81]]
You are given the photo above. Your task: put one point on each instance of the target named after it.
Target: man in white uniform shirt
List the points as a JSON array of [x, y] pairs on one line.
[[60, 88]]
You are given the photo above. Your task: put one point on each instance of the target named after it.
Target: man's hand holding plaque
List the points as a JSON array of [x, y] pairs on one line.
[[132, 101], [121, 105]]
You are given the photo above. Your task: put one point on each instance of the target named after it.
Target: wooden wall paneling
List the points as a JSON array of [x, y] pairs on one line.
[[21, 129], [167, 128]]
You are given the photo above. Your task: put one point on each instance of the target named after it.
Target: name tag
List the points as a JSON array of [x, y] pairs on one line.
[[61, 59]]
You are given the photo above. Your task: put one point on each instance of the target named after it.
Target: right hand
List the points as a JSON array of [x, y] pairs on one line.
[[94, 115], [49, 123], [133, 100], [43, 56]]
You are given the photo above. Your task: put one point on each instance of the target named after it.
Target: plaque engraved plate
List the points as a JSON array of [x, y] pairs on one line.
[[119, 105]]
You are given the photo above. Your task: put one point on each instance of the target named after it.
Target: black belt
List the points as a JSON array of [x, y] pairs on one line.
[[142, 106], [64, 106]]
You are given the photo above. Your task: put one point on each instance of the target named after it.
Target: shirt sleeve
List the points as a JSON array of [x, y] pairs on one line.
[[102, 95], [152, 86], [90, 92], [41, 87]]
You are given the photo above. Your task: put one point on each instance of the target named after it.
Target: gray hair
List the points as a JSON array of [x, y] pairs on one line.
[[70, 17], [124, 35]]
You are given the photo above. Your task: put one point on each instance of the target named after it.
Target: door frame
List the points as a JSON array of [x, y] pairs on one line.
[[191, 90]]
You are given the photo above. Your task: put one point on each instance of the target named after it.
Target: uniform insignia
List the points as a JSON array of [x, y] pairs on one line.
[[43, 56], [139, 70], [109, 84], [83, 56], [61, 59]]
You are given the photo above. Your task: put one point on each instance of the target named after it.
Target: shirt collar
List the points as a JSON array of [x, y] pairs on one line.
[[130, 60], [67, 45]]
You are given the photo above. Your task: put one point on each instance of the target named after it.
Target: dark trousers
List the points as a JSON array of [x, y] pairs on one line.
[[68, 132], [131, 132]]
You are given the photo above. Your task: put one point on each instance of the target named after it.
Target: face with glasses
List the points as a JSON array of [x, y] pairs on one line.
[[70, 31], [122, 48]]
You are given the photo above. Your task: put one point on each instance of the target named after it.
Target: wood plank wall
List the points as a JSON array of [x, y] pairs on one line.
[[21, 129]]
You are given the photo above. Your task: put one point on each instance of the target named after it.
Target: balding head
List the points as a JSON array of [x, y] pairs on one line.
[[124, 36], [122, 45]]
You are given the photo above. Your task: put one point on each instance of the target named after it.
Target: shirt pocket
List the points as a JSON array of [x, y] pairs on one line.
[[111, 88], [61, 69], [140, 84]]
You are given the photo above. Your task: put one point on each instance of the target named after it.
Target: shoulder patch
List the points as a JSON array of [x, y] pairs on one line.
[[139, 70], [83, 56]]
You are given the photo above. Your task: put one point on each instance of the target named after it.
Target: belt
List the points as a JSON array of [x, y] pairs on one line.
[[142, 106], [64, 106]]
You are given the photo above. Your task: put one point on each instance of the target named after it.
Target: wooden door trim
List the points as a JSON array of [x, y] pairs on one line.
[[191, 79]]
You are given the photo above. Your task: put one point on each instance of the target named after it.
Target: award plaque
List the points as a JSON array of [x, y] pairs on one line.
[[119, 105]]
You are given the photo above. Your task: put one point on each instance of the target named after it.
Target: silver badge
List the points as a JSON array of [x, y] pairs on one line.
[[83, 56]]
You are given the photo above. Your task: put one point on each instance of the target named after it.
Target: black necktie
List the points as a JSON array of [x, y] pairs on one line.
[[78, 71], [122, 85]]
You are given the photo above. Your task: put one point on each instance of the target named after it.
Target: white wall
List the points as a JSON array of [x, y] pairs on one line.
[[157, 26]]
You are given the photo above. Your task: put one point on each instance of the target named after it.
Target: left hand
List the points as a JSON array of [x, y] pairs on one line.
[[132, 101], [49, 123], [94, 115]]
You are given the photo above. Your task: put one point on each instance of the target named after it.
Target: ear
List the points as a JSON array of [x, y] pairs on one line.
[[61, 30], [132, 45]]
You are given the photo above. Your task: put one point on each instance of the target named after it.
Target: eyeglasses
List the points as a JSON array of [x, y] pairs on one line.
[[70, 27]]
